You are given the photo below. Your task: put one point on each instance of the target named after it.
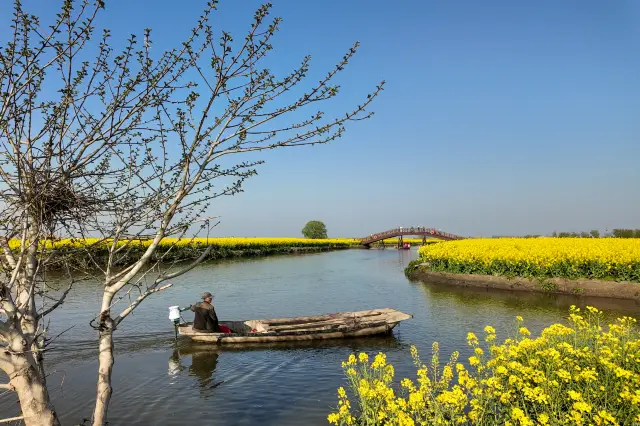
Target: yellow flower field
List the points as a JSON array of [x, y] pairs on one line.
[[227, 242], [172, 249], [594, 258], [577, 374]]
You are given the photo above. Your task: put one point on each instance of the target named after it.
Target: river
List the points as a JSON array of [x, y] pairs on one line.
[[158, 382]]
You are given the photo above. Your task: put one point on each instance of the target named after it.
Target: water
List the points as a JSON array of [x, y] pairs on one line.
[[156, 382]]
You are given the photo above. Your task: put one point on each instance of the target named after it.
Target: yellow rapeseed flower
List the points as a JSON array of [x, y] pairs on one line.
[[581, 373], [539, 257]]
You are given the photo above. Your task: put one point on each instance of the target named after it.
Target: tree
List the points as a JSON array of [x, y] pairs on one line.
[[314, 229], [121, 152], [623, 233], [595, 233]]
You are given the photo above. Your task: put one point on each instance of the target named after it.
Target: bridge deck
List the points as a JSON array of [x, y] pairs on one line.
[[412, 231]]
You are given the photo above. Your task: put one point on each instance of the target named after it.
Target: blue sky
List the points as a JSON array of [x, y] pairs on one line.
[[498, 117]]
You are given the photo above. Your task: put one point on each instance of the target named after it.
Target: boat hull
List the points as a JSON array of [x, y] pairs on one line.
[[219, 338], [324, 327]]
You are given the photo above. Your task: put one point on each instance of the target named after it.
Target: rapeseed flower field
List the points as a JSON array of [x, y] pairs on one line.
[[172, 249], [229, 242], [582, 373], [593, 258]]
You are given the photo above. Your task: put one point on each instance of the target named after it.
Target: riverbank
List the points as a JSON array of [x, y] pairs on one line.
[[89, 251], [85, 252], [581, 287]]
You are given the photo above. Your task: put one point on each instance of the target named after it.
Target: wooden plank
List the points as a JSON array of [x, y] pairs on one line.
[[296, 320], [344, 321], [308, 326]]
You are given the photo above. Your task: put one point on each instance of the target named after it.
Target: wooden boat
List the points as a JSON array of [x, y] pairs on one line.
[[331, 326]]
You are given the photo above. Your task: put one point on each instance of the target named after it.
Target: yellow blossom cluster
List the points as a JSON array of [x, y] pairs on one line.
[[576, 374], [595, 258]]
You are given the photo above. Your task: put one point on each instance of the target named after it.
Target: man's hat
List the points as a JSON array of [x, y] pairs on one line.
[[206, 295]]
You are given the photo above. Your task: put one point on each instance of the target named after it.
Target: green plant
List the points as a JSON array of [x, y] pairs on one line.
[[548, 286]]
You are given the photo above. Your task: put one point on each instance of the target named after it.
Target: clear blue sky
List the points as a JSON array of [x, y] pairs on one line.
[[499, 117]]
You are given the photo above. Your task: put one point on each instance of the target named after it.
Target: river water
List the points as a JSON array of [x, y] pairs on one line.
[[159, 382]]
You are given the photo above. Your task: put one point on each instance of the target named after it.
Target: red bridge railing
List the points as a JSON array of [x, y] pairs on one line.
[[421, 231]]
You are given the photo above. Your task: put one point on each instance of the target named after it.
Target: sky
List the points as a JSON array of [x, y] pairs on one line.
[[498, 117]]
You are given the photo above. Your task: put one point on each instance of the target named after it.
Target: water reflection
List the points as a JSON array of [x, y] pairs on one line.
[[203, 366], [204, 357], [522, 300]]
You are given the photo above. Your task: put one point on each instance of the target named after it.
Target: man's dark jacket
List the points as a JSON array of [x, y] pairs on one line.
[[205, 318]]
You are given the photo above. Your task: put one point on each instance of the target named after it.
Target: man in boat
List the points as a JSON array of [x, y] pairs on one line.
[[205, 318]]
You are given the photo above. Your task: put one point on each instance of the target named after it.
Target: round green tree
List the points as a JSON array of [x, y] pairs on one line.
[[314, 229]]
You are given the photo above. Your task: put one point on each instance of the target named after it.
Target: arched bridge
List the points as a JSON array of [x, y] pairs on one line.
[[412, 231]]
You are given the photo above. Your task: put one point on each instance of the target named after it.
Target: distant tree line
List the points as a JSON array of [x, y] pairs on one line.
[[615, 233], [594, 233]]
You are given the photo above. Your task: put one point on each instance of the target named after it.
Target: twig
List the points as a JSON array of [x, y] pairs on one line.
[[49, 341], [58, 303], [136, 302]]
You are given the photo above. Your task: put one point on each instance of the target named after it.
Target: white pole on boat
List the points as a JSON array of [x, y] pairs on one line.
[[174, 315]]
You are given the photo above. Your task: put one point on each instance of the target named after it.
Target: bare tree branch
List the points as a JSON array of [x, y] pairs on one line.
[[139, 300], [55, 306]]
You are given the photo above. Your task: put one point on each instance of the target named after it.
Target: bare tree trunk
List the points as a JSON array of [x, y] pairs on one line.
[[32, 392], [105, 368], [27, 375], [105, 363]]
